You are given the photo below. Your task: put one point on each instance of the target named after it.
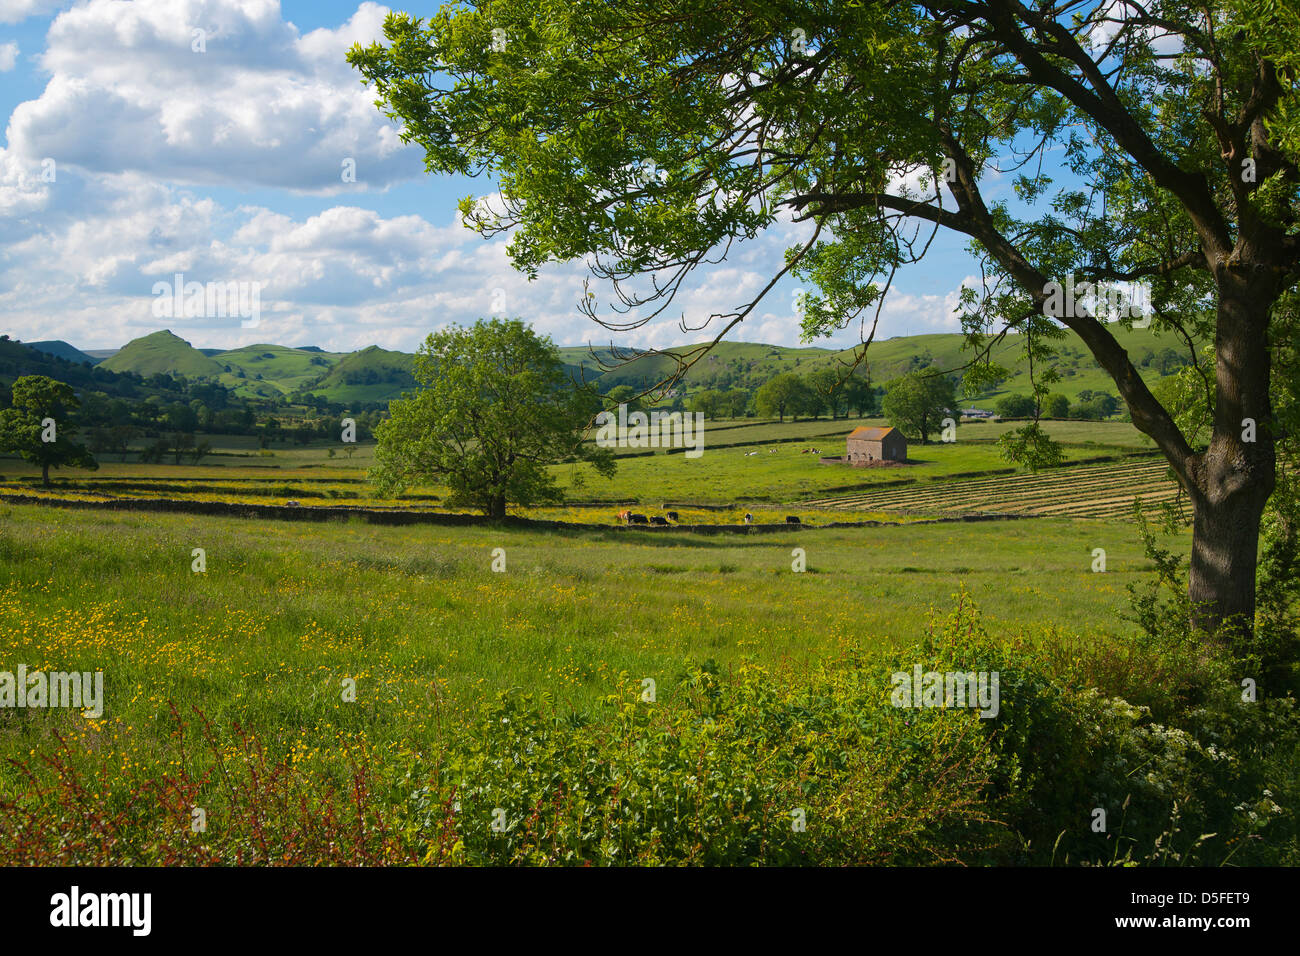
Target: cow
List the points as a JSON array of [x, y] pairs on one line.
[[637, 519], [657, 519], [749, 518], [671, 515], [291, 504], [791, 519], [623, 516]]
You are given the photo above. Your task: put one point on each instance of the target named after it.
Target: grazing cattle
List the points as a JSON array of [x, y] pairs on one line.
[[671, 515], [749, 518], [623, 516], [637, 519], [291, 504], [657, 519], [791, 519]]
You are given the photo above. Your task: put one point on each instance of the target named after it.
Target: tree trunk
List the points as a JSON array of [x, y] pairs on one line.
[[1233, 478], [45, 474], [497, 506], [1221, 574]]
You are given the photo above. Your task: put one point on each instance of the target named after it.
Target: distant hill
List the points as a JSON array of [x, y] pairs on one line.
[[371, 375], [163, 352], [18, 359], [375, 376], [285, 369], [748, 365], [61, 349]]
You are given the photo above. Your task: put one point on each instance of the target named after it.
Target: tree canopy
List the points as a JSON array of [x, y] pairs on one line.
[[495, 407], [39, 425], [918, 402]]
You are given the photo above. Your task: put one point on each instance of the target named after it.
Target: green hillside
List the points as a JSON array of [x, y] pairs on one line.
[[286, 369], [747, 365], [63, 350], [163, 352], [374, 375], [371, 375]]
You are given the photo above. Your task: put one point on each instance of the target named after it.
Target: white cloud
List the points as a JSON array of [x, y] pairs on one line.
[[137, 125], [8, 56], [15, 11], [262, 105]]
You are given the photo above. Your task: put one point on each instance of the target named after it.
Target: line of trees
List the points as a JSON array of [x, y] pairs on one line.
[[1091, 406]]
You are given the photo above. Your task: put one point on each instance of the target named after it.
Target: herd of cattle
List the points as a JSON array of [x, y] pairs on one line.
[[670, 517]]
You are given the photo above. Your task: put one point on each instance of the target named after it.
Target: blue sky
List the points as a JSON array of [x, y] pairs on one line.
[[224, 165]]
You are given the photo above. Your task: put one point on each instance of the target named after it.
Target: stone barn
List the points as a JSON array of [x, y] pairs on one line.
[[876, 444]]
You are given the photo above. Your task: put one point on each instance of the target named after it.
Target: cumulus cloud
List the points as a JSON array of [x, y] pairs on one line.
[[105, 182], [8, 56], [15, 11], [211, 92]]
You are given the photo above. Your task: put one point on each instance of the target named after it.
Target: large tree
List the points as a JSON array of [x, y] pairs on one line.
[[39, 426], [495, 408], [784, 394], [1150, 141], [918, 402]]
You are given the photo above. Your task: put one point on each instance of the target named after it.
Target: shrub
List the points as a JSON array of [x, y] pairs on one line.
[[723, 777]]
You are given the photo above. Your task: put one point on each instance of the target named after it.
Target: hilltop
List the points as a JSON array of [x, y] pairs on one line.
[[63, 350], [162, 352]]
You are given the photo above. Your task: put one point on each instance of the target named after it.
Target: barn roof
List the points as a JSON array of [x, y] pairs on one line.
[[869, 434]]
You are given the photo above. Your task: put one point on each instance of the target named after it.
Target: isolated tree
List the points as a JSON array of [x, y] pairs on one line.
[[1153, 141], [39, 426], [784, 394], [494, 409], [918, 402]]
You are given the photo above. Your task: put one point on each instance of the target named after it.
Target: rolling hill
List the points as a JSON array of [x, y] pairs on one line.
[[375, 376], [370, 375], [63, 350], [747, 365], [163, 352], [286, 369]]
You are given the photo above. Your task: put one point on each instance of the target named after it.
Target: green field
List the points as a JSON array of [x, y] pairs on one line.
[[498, 667], [751, 464]]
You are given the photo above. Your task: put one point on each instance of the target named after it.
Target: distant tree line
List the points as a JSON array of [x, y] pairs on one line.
[[1091, 406]]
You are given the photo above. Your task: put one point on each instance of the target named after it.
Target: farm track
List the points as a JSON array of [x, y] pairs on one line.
[[1090, 491]]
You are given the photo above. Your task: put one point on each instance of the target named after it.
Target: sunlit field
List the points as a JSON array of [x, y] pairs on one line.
[[290, 676]]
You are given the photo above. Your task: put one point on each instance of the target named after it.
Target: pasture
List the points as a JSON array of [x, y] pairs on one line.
[[255, 666], [417, 617]]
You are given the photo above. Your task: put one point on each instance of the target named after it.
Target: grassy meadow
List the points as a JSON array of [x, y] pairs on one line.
[[345, 692]]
